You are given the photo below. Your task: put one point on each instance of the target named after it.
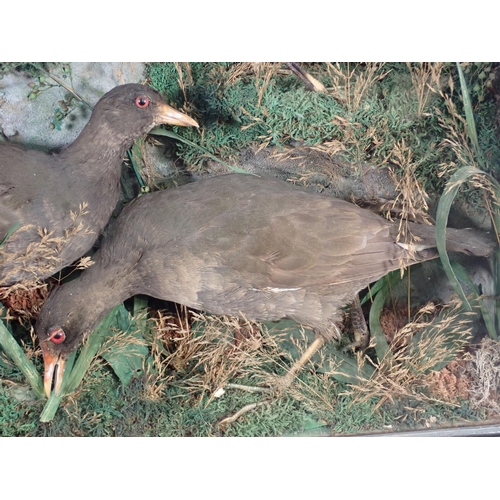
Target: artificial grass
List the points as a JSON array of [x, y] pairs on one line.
[[103, 407], [163, 401], [245, 111]]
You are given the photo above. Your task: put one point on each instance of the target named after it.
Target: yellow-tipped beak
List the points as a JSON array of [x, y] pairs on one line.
[[172, 116], [52, 364]]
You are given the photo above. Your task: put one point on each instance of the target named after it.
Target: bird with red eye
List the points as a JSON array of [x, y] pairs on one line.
[[241, 245], [53, 361], [41, 191], [142, 102]]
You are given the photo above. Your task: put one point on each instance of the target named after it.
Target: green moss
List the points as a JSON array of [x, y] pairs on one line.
[[388, 114], [105, 408]]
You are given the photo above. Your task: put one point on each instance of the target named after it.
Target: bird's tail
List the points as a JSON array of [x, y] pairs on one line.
[[467, 241]]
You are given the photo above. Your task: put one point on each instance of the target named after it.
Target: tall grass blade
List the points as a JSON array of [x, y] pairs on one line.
[[9, 232], [90, 349], [443, 210], [135, 152], [469, 116], [381, 290], [18, 356], [381, 346]]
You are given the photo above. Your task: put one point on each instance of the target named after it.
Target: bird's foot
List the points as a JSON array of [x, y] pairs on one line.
[[279, 384], [361, 333], [359, 344]]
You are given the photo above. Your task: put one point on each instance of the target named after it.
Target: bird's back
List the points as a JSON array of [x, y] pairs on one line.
[[52, 219]]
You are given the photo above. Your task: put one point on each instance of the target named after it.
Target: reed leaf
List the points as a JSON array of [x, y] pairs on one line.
[[457, 179], [381, 346], [9, 232], [381, 291], [18, 356], [469, 116]]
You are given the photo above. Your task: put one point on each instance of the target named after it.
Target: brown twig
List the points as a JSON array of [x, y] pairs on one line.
[[238, 414], [248, 388], [309, 80]]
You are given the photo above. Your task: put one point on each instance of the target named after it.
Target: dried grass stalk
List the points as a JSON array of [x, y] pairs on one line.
[[484, 368], [403, 374]]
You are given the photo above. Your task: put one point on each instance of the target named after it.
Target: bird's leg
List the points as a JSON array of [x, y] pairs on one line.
[[287, 380], [361, 333], [282, 382]]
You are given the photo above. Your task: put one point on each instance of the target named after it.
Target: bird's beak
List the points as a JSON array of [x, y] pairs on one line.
[[171, 116], [52, 364]]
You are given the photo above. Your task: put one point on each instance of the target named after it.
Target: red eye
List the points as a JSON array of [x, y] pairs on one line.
[[142, 102], [57, 335]]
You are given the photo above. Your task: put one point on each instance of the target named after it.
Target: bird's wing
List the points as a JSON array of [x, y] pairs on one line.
[[31, 186], [323, 243]]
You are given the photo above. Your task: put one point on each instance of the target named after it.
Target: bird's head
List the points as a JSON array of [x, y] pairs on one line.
[[64, 322], [129, 111]]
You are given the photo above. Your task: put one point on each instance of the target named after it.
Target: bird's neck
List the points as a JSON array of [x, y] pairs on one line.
[[97, 291], [98, 141]]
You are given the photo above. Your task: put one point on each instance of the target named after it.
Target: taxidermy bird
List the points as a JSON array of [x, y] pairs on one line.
[[239, 245], [54, 206]]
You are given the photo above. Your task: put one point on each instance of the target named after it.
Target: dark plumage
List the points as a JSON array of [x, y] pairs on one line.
[[237, 244], [60, 203]]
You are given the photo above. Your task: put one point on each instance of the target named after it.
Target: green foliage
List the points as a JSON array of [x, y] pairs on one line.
[[232, 118], [104, 407], [43, 74], [66, 107], [9, 345], [487, 185], [127, 358]]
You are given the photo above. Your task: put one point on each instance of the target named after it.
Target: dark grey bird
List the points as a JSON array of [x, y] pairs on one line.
[[54, 206], [237, 245]]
